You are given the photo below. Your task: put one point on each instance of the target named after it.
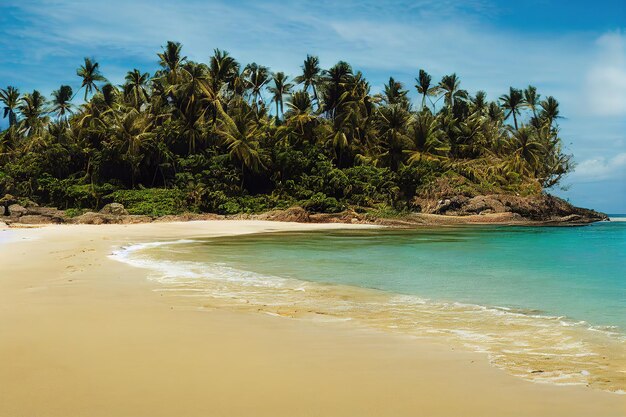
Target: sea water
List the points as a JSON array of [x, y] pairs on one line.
[[545, 303]]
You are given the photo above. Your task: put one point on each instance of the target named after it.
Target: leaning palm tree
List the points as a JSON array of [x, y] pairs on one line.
[[10, 97], [136, 87], [512, 103], [90, 73], [61, 104], [311, 73], [424, 87], [279, 90]]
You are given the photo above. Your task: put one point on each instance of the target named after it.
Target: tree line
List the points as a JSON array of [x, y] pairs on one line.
[[226, 137]]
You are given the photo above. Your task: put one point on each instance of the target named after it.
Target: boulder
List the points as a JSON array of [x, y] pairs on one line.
[[15, 210], [115, 209], [39, 219], [91, 218]]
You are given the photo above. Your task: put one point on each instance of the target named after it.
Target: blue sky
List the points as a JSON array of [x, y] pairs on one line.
[[574, 50]]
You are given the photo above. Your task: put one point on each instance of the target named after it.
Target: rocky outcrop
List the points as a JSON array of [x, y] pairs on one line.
[[539, 208]]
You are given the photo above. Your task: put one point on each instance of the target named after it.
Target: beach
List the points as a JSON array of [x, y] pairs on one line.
[[84, 334]]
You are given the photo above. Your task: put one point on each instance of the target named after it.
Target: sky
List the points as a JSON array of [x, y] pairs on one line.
[[573, 50]]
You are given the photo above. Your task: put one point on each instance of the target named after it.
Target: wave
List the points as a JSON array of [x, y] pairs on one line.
[[526, 343]]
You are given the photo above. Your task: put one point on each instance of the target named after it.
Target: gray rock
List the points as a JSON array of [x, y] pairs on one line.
[[115, 209], [3, 210], [15, 210]]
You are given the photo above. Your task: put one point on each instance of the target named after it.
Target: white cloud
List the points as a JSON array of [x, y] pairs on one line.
[[606, 79], [601, 168]]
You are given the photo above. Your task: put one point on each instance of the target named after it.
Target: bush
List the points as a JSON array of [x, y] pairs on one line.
[[321, 203], [151, 201]]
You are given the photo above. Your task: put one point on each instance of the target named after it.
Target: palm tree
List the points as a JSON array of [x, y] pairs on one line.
[[550, 110], [33, 108], [223, 68], [395, 94], [479, 102], [423, 86], [449, 84], [171, 60], [391, 123], [531, 99], [90, 73], [10, 97], [256, 77], [527, 151], [136, 87], [311, 73], [512, 103], [299, 118], [426, 137], [240, 134], [281, 88], [61, 101], [130, 133]]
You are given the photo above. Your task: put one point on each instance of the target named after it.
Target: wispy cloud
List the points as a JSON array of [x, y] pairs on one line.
[[601, 168], [606, 80]]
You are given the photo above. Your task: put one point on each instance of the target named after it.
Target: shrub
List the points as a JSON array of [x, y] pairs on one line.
[[151, 201]]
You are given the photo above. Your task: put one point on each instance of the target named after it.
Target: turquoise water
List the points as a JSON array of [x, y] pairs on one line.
[[544, 303], [577, 272]]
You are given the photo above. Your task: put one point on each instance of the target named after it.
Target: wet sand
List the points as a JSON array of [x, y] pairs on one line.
[[84, 335]]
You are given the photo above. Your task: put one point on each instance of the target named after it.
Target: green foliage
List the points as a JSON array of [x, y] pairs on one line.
[[200, 137], [151, 201], [321, 203]]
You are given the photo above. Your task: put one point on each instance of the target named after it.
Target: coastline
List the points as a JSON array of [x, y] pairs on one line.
[[88, 335]]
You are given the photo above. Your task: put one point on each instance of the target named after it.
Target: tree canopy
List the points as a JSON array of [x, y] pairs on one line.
[[226, 137]]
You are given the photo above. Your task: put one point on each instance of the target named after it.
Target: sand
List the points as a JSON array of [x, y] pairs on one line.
[[85, 335]]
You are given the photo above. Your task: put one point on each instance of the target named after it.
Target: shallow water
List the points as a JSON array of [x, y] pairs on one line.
[[545, 304]]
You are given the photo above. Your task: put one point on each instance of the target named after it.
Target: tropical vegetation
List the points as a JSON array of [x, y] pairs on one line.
[[225, 137]]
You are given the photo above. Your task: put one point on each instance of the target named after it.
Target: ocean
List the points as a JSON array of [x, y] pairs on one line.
[[544, 303]]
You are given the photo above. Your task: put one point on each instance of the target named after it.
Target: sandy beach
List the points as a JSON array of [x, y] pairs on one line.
[[84, 335]]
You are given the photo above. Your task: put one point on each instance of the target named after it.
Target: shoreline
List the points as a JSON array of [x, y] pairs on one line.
[[74, 321]]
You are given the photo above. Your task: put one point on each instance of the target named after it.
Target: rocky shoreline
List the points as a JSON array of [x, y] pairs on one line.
[[501, 209]]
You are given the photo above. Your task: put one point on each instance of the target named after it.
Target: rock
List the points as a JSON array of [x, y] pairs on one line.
[[91, 218], [450, 204], [134, 219], [292, 214], [115, 209], [15, 210], [39, 219], [3, 210], [44, 211]]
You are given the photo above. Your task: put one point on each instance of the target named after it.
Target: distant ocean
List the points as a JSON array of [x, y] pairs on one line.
[[545, 303]]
